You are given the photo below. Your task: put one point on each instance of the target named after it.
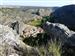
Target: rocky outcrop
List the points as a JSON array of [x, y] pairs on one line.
[[64, 15], [61, 32], [24, 29], [17, 26], [11, 45], [31, 31]]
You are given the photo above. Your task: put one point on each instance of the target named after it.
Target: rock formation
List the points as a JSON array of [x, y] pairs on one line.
[[64, 15], [31, 31], [15, 26], [61, 32], [11, 45], [25, 30]]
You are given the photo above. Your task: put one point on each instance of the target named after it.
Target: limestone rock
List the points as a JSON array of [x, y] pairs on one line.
[[24, 29], [31, 31], [11, 45], [17, 26]]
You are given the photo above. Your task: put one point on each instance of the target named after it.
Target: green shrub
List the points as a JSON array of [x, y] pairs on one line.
[[41, 39], [55, 48], [36, 22], [52, 49], [45, 18], [45, 46]]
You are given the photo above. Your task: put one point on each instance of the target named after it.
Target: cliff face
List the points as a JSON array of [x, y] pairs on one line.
[[65, 15]]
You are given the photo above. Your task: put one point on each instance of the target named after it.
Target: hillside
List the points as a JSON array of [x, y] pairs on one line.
[[37, 31], [24, 14]]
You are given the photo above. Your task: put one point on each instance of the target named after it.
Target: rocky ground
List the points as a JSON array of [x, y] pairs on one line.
[[17, 25], [29, 32]]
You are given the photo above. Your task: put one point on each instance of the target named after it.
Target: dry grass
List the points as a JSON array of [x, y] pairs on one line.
[[53, 49]]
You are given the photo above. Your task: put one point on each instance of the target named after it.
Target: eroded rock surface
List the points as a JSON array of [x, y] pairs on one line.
[[31, 31], [11, 45], [61, 32]]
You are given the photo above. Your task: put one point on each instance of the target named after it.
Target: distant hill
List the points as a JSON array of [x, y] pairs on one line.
[[23, 13]]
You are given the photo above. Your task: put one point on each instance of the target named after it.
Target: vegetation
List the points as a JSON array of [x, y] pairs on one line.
[[45, 45], [52, 49], [38, 22], [40, 40], [43, 42], [55, 48], [46, 18]]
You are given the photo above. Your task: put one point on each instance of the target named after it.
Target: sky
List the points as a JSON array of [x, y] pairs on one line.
[[46, 3]]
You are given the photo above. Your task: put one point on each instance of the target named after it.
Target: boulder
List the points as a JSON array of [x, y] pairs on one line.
[[31, 31], [17, 26], [64, 15], [60, 32], [11, 45]]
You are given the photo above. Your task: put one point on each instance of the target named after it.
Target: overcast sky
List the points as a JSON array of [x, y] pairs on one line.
[[37, 2]]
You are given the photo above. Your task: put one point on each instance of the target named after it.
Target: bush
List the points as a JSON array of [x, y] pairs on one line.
[[38, 22], [53, 49], [45, 45]]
